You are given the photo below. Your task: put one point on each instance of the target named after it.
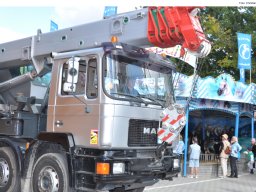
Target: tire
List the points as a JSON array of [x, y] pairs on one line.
[[131, 190], [136, 190], [50, 174], [9, 177]]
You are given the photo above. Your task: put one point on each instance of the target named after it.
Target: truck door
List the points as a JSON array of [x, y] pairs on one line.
[[75, 106]]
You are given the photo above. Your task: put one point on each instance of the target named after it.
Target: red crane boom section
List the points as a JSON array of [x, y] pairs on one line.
[[171, 26]]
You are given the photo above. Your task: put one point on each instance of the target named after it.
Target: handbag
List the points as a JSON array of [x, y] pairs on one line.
[[227, 150]]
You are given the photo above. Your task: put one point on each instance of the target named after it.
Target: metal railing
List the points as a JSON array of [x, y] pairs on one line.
[[205, 158], [210, 165], [211, 158]]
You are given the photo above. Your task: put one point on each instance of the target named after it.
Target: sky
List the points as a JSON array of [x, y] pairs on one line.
[[24, 21], [20, 19]]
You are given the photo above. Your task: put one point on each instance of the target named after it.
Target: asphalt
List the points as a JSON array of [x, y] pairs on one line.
[[244, 183]]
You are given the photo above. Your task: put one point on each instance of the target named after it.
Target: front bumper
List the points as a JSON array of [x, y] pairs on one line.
[[160, 169], [141, 169]]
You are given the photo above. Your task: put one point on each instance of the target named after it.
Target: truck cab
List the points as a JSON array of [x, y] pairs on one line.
[[110, 100]]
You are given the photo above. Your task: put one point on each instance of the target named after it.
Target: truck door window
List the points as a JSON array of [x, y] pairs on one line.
[[92, 79], [80, 85]]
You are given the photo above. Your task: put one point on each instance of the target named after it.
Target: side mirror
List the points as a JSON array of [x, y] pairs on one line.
[[72, 75], [69, 87]]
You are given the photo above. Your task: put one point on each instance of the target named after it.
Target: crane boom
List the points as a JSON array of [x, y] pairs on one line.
[[152, 26]]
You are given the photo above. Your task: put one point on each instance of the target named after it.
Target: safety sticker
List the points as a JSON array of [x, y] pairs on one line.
[[94, 137]]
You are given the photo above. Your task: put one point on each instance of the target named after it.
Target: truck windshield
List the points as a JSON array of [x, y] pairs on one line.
[[137, 80]]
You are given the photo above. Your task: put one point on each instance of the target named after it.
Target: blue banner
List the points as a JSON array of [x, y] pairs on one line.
[[110, 11], [242, 75], [244, 50], [54, 26]]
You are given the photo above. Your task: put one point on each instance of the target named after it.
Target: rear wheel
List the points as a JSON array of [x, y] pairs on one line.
[[9, 178], [51, 174]]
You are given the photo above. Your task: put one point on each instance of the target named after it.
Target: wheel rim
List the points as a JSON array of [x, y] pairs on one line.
[[48, 180], [4, 172]]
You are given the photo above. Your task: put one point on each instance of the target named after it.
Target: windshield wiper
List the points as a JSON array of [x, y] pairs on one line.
[[138, 98], [152, 99]]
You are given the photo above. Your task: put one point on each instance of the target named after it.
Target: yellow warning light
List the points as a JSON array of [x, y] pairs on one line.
[[114, 39]]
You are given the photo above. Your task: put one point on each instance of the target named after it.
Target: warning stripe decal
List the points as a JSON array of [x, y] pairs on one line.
[[176, 120], [160, 132], [167, 136], [165, 118]]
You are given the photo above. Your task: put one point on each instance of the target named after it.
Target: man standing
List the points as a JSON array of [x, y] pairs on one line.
[[253, 142], [194, 151], [179, 148], [236, 148], [223, 155]]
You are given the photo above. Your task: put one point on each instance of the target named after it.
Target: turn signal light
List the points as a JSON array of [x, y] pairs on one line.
[[114, 39], [27, 145], [102, 168]]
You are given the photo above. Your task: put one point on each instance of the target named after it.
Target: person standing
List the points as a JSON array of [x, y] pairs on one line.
[[253, 142], [180, 146], [235, 149], [223, 155], [194, 151], [250, 159]]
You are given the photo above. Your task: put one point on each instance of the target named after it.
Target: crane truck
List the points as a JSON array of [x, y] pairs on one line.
[[88, 108]]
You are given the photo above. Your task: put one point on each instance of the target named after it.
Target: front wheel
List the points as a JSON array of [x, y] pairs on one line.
[[136, 190], [131, 190], [50, 174], [9, 178]]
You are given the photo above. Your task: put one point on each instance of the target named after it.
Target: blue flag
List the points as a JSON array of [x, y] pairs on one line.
[[244, 50], [110, 11], [54, 26]]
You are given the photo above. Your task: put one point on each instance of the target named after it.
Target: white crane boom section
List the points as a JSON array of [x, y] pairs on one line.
[[153, 26]]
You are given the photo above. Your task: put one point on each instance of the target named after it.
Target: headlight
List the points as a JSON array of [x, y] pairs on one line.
[[176, 163], [118, 168]]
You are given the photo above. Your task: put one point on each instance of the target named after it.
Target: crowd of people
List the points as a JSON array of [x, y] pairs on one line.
[[234, 154], [228, 150]]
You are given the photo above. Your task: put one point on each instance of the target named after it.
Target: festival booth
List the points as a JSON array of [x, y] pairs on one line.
[[215, 106]]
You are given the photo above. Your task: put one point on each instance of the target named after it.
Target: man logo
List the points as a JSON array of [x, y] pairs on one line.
[[149, 131]]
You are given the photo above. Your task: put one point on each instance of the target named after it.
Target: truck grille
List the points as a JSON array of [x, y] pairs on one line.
[[142, 133]]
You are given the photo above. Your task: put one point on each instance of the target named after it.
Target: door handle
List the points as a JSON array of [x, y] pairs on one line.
[[58, 123]]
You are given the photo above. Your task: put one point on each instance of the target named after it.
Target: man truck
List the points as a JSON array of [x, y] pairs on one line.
[[87, 108]]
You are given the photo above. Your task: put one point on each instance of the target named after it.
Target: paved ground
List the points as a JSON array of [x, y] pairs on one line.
[[244, 183]]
